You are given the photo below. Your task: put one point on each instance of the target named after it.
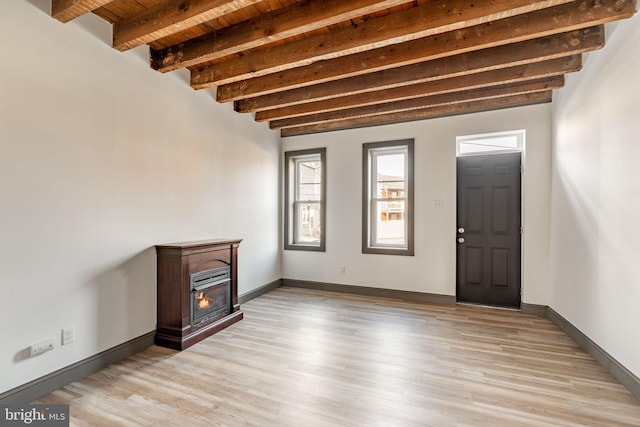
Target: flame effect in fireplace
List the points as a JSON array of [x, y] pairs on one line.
[[203, 302]]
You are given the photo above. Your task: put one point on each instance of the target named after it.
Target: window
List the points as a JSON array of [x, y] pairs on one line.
[[490, 143], [305, 200], [387, 198]]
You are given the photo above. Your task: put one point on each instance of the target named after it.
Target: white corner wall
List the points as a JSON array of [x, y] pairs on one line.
[[101, 159], [433, 268], [596, 197]]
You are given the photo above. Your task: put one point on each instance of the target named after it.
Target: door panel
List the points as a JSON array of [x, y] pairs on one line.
[[500, 215], [500, 267], [474, 265], [489, 229], [474, 200]]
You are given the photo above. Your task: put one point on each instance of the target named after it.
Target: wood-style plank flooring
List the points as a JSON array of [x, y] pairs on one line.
[[310, 358]]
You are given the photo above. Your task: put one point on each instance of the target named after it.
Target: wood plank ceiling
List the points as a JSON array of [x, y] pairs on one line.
[[309, 66]]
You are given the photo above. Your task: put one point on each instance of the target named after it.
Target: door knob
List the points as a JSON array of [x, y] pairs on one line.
[[460, 239], [461, 230]]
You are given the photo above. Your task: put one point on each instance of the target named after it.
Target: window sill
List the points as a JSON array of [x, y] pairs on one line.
[[319, 248], [388, 251]]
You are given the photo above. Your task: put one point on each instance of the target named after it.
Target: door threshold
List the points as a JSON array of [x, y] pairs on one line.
[[499, 307]]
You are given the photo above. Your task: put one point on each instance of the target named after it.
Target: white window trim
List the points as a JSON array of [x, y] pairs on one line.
[[373, 189], [520, 142]]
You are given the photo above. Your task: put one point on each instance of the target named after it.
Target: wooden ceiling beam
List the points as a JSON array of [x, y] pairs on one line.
[[426, 20], [66, 10], [559, 19], [295, 102], [276, 25], [509, 89], [170, 17], [537, 70], [422, 114]]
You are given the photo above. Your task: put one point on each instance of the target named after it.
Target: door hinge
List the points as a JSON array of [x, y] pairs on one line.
[[520, 229], [521, 169]]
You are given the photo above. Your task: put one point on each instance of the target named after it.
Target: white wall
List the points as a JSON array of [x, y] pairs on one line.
[[595, 244], [101, 158], [433, 268]]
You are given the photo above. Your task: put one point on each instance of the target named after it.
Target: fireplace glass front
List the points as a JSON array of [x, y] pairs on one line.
[[210, 295]]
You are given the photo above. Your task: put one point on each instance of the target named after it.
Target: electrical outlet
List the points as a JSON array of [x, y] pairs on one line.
[[41, 347], [343, 269], [68, 335]]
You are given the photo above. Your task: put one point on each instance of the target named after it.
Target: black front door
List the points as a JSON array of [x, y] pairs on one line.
[[488, 260]]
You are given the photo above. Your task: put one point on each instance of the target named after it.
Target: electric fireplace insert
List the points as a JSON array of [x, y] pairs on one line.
[[210, 291]]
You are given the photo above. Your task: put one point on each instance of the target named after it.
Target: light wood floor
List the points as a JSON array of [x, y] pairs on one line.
[[309, 358]]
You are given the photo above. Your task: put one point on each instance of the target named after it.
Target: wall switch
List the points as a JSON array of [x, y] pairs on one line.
[[68, 335], [41, 347]]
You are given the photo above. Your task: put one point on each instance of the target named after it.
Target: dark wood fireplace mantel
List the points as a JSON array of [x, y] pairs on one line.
[[176, 263]]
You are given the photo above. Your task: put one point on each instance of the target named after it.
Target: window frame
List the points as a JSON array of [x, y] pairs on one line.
[[291, 199], [369, 151], [520, 136]]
